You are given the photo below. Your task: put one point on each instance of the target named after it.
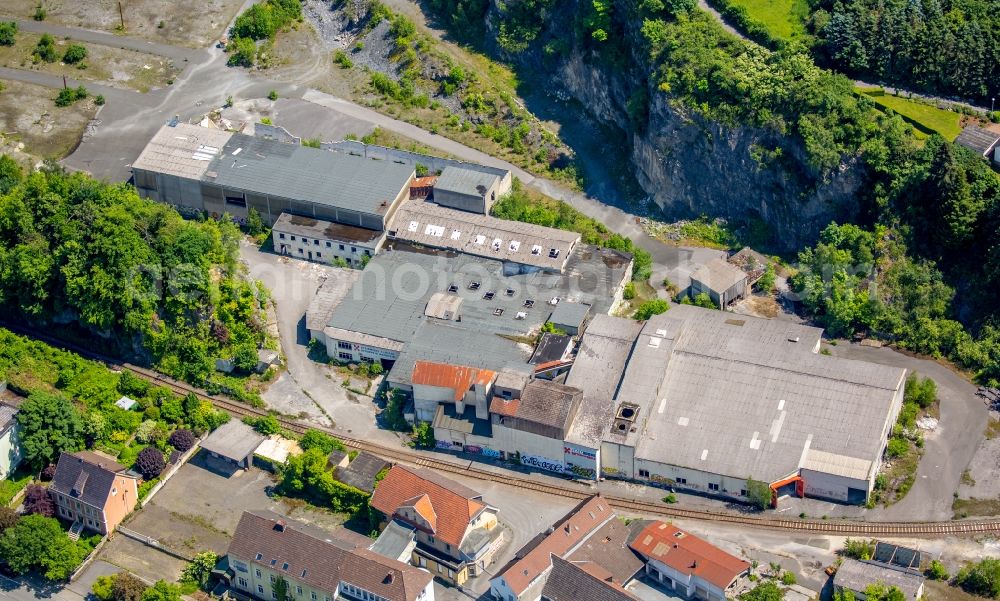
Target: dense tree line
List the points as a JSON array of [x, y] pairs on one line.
[[76, 250], [949, 47]]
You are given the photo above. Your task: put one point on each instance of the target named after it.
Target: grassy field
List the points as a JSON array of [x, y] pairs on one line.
[[32, 127], [115, 67], [923, 116], [783, 18]]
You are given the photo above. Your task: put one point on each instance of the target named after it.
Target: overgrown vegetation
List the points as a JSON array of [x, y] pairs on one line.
[[128, 271]]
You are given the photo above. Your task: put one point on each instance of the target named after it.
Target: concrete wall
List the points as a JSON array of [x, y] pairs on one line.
[[323, 250], [357, 352], [536, 451], [686, 585], [721, 299], [405, 157], [830, 486]]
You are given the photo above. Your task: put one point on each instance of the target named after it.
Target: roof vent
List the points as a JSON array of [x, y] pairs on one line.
[[510, 292], [796, 339], [489, 295], [498, 311], [474, 285], [388, 578], [529, 303], [520, 315], [280, 525]]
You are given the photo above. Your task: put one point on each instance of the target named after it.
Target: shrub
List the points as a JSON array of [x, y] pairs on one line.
[[201, 567], [150, 463], [629, 292], [920, 391], [8, 518], [266, 425], [423, 435], [8, 33], [859, 548], [68, 96], [981, 578], [670, 499], [99, 100], [759, 493], [243, 53], [340, 57], [937, 571], [314, 439], [74, 54], [272, 95], [897, 447], [788, 578], [40, 14], [650, 308], [38, 502], [46, 49], [48, 473], [181, 439]]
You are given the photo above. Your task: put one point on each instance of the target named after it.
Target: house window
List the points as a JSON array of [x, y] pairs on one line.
[[272, 578], [319, 255], [293, 238], [298, 591], [354, 249], [341, 247], [315, 242], [643, 473], [713, 486], [284, 566], [345, 356], [312, 595], [300, 251], [305, 240], [282, 236], [329, 244], [242, 582], [368, 253], [274, 595], [344, 345], [260, 589], [259, 557], [257, 573], [447, 547], [451, 573], [743, 492], [440, 569], [682, 480]]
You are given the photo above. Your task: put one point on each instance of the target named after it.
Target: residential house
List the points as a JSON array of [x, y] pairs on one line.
[[456, 530], [856, 576], [588, 535], [93, 491], [573, 581], [269, 551], [687, 564], [10, 447]]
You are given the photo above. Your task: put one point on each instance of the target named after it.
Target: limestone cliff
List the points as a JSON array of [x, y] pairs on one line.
[[690, 165]]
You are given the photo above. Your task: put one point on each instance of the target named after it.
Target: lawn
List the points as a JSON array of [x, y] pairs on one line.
[[926, 117], [784, 19]]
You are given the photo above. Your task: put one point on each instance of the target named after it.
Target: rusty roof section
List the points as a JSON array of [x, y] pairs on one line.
[[453, 505], [688, 554], [459, 378], [534, 559]]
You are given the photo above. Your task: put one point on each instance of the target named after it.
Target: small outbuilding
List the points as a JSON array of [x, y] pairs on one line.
[[856, 576], [979, 140], [467, 189], [275, 451], [361, 472], [569, 316], [721, 281], [233, 442], [337, 458], [125, 403]]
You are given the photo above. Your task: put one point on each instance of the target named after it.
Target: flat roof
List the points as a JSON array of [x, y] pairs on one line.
[[465, 181], [183, 150], [739, 397], [424, 222], [233, 440], [331, 291], [570, 314], [719, 275], [277, 448], [326, 230]]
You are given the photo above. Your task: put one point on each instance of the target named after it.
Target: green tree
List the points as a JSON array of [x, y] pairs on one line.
[[650, 308], [314, 439], [245, 357], [936, 570], [49, 425], [162, 591], [921, 391], [981, 578], [74, 54], [11, 174], [45, 50], [859, 548], [201, 567], [102, 587], [280, 589], [759, 493], [766, 282], [423, 435], [255, 225], [8, 33], [765, 591], [266, 425], [39, 543]]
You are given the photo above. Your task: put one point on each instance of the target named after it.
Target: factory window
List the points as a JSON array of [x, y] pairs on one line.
[[315, 242], [345, 356], [319, 255], [743, 492], [682, 480], [354, 249], [282, 236], [300, 251], [293, 238], [242, 582], [305, 241], [329, 244], [341, 247], [643, 473], [343, 345], [713, 486], [368, 253], [239, 201]]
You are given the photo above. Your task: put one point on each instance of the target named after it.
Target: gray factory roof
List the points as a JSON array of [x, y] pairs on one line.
[[182, 150], [857, 575], [598, 369], [390, 299], [719, 275], [429, 224], [570, 314], [309, 174], [465, 181], [740, 397], [542, 402], [978, 139], [233, 440], [330, 293], [324, 230]]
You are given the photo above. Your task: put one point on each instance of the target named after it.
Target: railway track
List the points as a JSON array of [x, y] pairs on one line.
[[560, 488]]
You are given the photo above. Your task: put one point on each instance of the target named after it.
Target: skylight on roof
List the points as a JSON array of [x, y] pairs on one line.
[[480, 239], [498, 311], [510, 292], [536, 250], [413, 226], [473, 285], [434, 230], [514, 245], [497, 243], [489, 295], [455, 234]]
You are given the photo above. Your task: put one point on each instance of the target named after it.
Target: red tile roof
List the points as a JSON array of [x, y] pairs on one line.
[[688, 554], [502, 406], [533, 560], [453, 505], [459, 378], [572, 581]]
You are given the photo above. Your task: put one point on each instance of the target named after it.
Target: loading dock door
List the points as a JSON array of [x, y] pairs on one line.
[[857, 496]]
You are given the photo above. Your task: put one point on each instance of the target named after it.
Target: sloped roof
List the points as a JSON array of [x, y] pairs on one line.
[[323, 559], [459, 378], [454, 505], [541, 402], [858, 575], [978, 139], [719, 275], [608, 548], [688, 554], [572, 581], [534, 559], [86, 476]]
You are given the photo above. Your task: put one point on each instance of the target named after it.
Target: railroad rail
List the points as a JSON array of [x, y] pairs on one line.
[[565, 489]]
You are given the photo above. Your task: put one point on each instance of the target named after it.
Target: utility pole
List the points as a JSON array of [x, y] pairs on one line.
[[64, 82], [121, 14]]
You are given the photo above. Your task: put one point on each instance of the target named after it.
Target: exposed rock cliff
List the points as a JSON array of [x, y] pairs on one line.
[[690, 165]]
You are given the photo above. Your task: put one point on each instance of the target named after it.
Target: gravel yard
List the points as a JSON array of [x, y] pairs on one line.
[[190, 23], [32, 127]]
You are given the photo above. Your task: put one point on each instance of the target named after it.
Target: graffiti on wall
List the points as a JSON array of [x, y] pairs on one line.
[[542, 463]]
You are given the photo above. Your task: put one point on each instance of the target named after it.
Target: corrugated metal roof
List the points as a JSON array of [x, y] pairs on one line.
[[458, 378], [839, 465], [859, 575], [183, 150], [233, 440], [718, 275], [978, 139]]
